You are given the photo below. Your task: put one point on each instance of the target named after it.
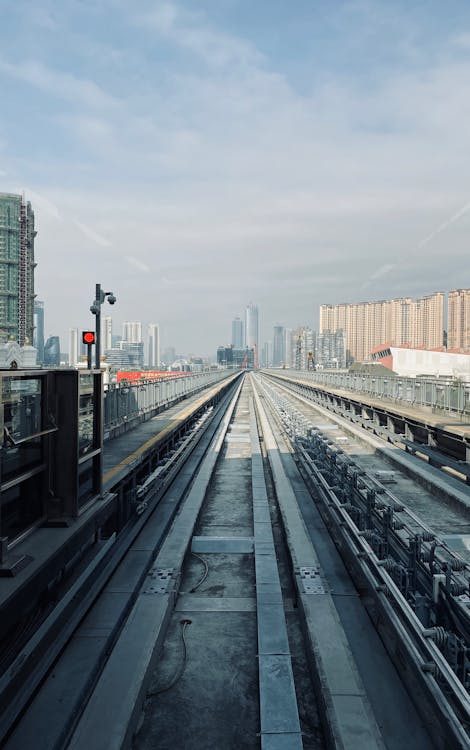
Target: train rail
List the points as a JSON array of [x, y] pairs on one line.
[[232, 619], [439, 441], [67, 582]]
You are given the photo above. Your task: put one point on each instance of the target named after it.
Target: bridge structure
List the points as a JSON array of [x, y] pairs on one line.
[[272, 559]]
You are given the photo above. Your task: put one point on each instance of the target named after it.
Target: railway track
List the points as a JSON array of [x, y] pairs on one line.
[[418, 586], [232, 620], [433, 495]]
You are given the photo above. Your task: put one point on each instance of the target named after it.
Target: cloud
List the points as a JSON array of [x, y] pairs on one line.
[[192, 32], [59, 84]]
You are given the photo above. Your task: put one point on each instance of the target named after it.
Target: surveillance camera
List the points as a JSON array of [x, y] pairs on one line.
[[111, 299], [94, 309]]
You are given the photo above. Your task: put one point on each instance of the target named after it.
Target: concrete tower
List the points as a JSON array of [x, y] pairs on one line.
[[73, 347], [38, 337], [252, 329], [132, 331], [106, 333], [238, 338], [153, 345]]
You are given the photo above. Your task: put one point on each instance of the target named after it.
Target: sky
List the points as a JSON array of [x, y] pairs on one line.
[[193, 157]]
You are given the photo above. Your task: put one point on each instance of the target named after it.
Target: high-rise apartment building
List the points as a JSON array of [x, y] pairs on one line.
[[330, 350], [252, 329], [153, 345], [38, 335], [16, 269], [458, 320], [429, 322], [73, 347], [238, 338], [132, 331], [401, 322]]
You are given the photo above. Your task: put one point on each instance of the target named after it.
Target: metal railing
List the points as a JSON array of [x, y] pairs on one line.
[[444, 395], [124, 402]]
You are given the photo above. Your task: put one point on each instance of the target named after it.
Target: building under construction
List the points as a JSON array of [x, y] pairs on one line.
[[16, 269]]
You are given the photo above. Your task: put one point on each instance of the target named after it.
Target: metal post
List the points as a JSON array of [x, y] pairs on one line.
[[88, 356], [98, 328]]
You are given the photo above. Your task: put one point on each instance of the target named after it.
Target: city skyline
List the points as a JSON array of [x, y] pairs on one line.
[[316, 165]]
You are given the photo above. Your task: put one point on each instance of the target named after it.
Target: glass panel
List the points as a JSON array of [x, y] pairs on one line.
[[21, 506], [22, 417], [21, 400], [86, 420]]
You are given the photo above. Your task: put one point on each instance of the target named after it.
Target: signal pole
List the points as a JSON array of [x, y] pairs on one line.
[[95, 308]]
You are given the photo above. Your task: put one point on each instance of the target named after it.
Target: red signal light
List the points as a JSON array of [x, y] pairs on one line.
[[88, 337]]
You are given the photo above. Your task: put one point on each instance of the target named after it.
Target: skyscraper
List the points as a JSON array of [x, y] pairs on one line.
[[153, 345], [106, 333], [73, 347], [252, 329], [132, 331], [16, 269], [38, 336], [237, 333], [279, 346]]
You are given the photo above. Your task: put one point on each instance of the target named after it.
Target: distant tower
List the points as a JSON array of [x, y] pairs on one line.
[[237, 333], [16, 269], [73, 347], [252, 329], [106, 333], [153, 345], [38, 338], [52, 352], [132, 331], [279, 346]]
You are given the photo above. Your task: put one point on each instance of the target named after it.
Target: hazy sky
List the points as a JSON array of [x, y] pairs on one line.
[[196, 156]]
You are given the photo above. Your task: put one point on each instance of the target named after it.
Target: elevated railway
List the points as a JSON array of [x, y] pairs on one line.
[[249, 576]]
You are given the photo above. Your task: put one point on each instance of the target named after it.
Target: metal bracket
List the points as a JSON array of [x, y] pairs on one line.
[[311, 581], [158, 581]]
